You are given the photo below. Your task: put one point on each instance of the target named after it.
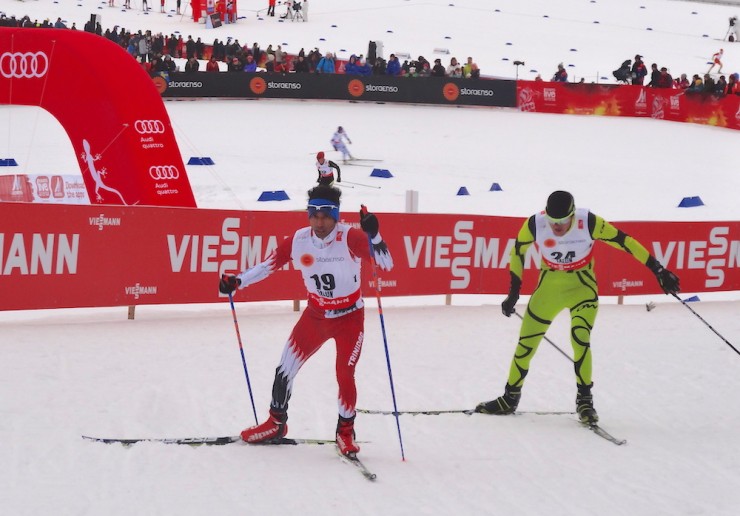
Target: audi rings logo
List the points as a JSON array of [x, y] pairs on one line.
[[161, 172], [149, 127], [23, 65]]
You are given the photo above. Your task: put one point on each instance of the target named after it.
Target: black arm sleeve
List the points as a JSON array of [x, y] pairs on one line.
[[591, 223], [532, 227], [339, 171]]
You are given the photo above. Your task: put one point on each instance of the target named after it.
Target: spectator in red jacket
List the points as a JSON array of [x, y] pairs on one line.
[[212, 65], [180, 47], [639, 71], [221, 10], [732, 87], [230, 11], [682, 83], [561, 75]]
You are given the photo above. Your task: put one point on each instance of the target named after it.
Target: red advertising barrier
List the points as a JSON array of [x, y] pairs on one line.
[[57, 256], [61, 189], [634, 101], [109, 107]]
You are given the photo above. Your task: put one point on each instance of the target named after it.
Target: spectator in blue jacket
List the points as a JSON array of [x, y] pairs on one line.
[[352, 68], [355, 67], [394, 66], [326, 64], [251, 64]]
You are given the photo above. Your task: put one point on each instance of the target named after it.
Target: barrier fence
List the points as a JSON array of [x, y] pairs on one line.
[[538, 96], [58, 256], [375, 88], [632, 101]]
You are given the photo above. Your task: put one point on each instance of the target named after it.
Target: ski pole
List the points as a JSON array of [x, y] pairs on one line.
[[360, 184], [376, 280], [684, 303], [244, 361], [549, 341]]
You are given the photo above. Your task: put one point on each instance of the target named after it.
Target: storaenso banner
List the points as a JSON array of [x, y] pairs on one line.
[[376, 88]]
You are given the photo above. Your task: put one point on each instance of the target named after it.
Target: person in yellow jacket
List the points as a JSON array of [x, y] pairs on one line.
[[565, 237]]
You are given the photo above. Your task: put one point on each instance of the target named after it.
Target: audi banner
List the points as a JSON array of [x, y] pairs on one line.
[[374, 88], [56, 256], [119, 129]]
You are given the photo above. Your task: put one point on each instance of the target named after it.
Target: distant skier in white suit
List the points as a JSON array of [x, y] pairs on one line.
[[337, 141]]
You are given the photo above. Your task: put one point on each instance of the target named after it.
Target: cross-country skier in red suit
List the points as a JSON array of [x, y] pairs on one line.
[[329, 254], [326, 168]]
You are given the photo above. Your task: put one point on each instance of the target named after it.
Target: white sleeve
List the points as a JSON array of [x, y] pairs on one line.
[[257, 273]]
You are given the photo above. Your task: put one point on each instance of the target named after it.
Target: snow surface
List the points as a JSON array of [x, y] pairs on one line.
[[663, 380]]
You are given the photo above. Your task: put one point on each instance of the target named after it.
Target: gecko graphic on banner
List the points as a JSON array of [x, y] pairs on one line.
[[97, 175]]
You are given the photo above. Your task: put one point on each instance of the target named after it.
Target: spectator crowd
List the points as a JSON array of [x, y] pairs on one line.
[[636, 73], [156, 52]]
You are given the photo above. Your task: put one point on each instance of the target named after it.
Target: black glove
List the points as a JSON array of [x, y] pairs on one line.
[[228, 283], [507, 307], [382, 256], [380, 248], [668, 281], [369, 222]]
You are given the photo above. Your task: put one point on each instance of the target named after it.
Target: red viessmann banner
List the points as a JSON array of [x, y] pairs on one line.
[[57, 256]]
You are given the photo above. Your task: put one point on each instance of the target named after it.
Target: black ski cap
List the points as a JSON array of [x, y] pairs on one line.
[[560, 204]]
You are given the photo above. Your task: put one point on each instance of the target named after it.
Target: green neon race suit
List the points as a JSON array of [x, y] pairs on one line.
[[567, 280]]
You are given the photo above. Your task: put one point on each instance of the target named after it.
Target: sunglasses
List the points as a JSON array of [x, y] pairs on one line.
[[559, 221], [327, 209]]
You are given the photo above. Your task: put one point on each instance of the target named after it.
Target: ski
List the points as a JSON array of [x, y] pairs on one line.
[[416, 412], [360, 184], [209, 441], [365, 159], [595, 428], [192, 441], [351, 458], [467, 412]]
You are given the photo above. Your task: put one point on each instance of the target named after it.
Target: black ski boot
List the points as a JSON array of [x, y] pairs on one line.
[[503, 405], [585, 405]]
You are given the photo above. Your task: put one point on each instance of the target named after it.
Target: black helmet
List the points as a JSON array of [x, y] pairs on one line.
[[560, 204]]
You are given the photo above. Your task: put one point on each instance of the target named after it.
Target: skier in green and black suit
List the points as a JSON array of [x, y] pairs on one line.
[[565, 237]]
